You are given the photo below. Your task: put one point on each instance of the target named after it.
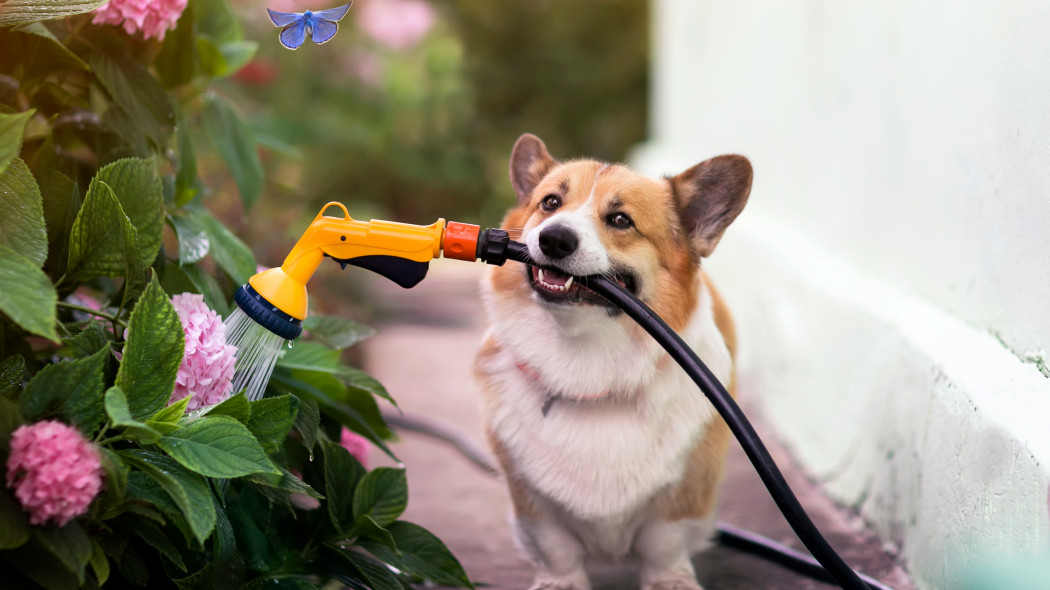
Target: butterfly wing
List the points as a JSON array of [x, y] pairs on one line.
[[283, 19], [294, 34], [323, 31], [332, 14]]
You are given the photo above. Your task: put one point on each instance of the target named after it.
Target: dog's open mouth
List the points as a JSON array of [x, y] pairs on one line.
[[555, 286]]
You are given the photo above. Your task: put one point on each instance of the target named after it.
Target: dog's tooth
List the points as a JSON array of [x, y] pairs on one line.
[[568, 283], [540, 273]]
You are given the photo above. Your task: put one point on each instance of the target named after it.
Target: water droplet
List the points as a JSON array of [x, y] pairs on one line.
[[291, 343]]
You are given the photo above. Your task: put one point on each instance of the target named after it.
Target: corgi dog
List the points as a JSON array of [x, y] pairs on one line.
[[610, 452]]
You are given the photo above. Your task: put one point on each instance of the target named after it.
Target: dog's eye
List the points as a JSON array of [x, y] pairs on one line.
[[619, 221], [550, 202]]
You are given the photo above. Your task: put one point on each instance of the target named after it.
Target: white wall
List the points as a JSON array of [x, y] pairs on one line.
[[891, 274]]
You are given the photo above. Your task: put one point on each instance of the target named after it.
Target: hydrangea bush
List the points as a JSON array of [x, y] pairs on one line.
[[127, 459]]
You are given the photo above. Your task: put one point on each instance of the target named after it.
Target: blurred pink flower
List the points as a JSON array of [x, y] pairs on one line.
[[398, 24], [87, 299], [152, 17], [206, 372], [55, 472], [356, 444], [258, 72]]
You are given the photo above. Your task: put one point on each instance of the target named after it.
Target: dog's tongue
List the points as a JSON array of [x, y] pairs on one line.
[[553, 277]]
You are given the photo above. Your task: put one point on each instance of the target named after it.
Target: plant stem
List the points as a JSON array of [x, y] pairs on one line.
[[94, 312]]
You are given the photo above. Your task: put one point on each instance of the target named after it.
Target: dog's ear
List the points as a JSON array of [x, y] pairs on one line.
[[529, 163], [709, 196]]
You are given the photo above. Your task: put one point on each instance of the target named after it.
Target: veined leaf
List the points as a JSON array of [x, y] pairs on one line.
[[138, 93], [103, 242], [22, 223], [187, 489], [74, 387], [15, 531], [120, 418], [307, 421], [176, 63], [88, 341], [15, 12], [27, 295], [217, 446], [342, 472], [172, 413], [70, 544], [11, 129], [286, 481], [193, 239], [236, 406], [141, 195], [12, 371], [152, 354], [375, 574], [271, 419], [422, 554], [336, 332], [235, 143], [382, 495]]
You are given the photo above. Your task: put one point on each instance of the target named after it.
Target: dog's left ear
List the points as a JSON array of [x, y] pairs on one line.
[[709, 197], [529, 163]]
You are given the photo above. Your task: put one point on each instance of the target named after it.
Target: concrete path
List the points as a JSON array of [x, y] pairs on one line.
[[423, 355]]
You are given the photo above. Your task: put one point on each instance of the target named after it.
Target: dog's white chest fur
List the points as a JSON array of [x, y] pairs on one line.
[[598, 460]]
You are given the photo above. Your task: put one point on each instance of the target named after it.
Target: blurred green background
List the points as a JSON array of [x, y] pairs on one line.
[[410, 112]]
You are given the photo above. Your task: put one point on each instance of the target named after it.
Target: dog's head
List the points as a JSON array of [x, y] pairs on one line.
[[586, 217]]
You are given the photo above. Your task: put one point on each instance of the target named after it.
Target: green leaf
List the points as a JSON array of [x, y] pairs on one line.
[[382, 495], [36, 562], [367, 529], [91, 339], [27, 296], [236, 145], [22, 223], [321, 387], [176, 63], [271, 419], [375, 575], [15, 531], [12, 371], [120, 418], [356, 378], [308, 421], [236, 406], [342, 472], [61, 204], [11, 129], [217, 446], [51, 54], [229, 252], [14, 12], [116, 478], [187, 489], [217, 20], [279, 582], [141, 195], [154, 536], [99, 563], [422, 554], [193, 239], [172, 413], [193, 279], [313, 356], [220, 60], [70, 544], [75, 387], [286, 481], [138, 93], [152, 354], [186, 185], [103, 241], [336, 332]]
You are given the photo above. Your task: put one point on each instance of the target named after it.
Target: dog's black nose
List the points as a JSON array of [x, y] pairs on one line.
[[558, 241]]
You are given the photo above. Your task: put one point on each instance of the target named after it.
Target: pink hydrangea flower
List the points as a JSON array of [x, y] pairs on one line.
[[55, 472], [206, 372], [356, 444], [398, 24], [152, 17]]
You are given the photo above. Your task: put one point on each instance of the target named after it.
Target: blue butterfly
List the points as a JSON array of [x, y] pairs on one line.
[[320, 25]]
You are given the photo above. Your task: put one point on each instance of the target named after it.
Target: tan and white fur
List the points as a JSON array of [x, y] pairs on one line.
[[610, 452]]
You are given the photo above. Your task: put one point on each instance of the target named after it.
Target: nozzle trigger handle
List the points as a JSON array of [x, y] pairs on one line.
[[404, 272]]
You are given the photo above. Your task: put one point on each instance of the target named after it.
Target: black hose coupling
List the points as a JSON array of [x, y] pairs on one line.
[[492, 246]]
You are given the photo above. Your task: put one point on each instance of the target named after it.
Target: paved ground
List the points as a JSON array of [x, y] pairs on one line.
[[423, 355]]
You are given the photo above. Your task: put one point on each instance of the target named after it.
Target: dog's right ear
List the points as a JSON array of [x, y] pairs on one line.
[[529, 163]]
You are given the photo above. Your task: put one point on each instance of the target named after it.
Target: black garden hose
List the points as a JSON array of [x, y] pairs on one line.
[[831, 565]]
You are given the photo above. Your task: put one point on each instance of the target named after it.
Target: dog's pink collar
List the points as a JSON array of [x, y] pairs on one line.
[[553, 397]]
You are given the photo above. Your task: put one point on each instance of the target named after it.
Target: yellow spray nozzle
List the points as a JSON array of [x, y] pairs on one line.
[[398, 251]]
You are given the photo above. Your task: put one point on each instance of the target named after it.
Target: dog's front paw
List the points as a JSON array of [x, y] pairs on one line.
[[674, 585]]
